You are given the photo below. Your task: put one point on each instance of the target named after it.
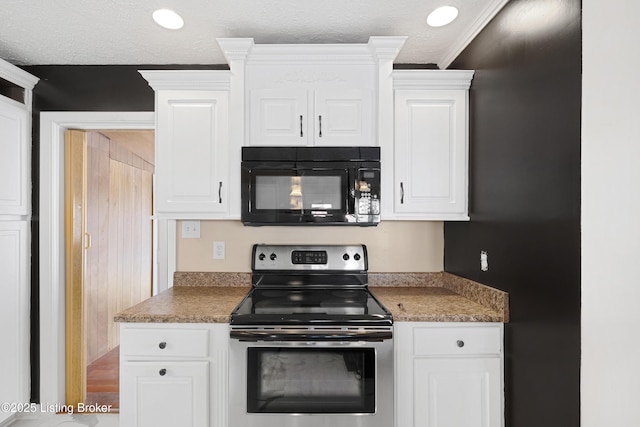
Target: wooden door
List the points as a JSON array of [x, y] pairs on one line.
[[109, 245]]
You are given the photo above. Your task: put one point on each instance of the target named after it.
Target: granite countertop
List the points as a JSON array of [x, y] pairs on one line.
[[418, 297]]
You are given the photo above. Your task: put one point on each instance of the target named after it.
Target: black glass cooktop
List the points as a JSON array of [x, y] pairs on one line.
[[285, 306]]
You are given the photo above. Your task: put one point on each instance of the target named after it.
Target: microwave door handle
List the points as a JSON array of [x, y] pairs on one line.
[[320, 126]]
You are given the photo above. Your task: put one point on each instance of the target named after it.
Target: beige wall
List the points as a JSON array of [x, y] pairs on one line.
[[393, 246]]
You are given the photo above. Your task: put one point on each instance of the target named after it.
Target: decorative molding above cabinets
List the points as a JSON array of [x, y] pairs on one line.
[[425, 165]]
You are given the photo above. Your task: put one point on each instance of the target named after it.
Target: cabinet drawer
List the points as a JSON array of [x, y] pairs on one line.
[[430, 341], [165, 342]]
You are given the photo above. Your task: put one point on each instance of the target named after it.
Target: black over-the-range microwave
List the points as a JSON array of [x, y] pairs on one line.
[[310, 186]]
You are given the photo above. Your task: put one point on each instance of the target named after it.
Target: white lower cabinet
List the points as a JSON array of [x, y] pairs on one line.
[[173, 374], [166, 393], [449, 374]]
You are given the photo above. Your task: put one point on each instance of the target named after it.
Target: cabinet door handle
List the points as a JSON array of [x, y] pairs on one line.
[[162, 345], [301, 133], [87, 240], [162, 372], [320, 126], [460, 343], [220, 192], [401, 193]]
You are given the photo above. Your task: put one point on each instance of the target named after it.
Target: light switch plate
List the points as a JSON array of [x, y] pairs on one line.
[[190, 229]]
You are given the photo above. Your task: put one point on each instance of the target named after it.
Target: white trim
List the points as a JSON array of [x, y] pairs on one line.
[[467, 37], [171, 248], [338, 54], [187, 79], [52, 262], [17, 75], [432, 79]]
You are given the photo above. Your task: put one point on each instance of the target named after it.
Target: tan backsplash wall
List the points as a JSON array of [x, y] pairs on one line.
[[393, 246]]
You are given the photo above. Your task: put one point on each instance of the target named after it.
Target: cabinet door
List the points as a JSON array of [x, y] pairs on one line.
[[430, 178], [14, 313], [14, 158], [159, 394], [343, 117], [279, 117], [192, 152], [457, 392]]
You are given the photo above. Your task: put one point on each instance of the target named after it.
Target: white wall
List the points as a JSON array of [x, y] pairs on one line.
[[610, 386]]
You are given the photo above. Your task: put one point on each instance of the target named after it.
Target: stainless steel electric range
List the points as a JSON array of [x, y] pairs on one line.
[[310, 345]]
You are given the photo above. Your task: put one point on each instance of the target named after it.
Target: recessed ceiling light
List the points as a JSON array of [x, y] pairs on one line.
[[168, 19], [442, 16]]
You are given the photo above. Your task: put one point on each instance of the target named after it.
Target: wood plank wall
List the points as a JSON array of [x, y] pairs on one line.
[[118, 261]]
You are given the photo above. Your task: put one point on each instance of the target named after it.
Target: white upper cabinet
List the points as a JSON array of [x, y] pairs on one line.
[[313, 94], [192, 161], [15, 151], [430, 147], [15, 141], [311, 117]]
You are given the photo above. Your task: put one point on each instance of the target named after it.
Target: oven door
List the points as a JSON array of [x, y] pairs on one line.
[[330, 378], [300, 193]]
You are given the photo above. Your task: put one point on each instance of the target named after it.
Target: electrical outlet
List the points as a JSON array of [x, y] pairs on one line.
[[218, 250], [190, 229], [484, 261]]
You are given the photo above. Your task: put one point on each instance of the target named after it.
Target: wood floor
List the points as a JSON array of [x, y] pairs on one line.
[[103, 380]]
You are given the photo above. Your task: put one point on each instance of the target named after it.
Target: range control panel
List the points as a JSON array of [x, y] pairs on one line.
[[309, 257]]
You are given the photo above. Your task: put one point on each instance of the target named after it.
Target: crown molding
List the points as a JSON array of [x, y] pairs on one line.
[[332, 54], [235, 49], [17, 75], [187, 79], [432, 79], [467, 37]]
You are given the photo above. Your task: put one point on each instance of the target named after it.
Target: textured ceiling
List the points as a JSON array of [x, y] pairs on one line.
[[100, 32]]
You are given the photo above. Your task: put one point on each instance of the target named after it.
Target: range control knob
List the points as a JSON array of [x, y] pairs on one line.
[[356, 257], [273, 257], [345, 257], [261, 257]]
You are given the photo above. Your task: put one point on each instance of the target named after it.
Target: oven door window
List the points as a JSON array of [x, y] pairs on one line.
[[310, 380], [299, 191]]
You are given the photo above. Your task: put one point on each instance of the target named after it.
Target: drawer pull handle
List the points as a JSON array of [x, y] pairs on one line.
[[460, 343], [162, 345], [163, 372]]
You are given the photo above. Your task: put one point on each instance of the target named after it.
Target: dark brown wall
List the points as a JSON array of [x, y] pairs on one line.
[[525, 200]]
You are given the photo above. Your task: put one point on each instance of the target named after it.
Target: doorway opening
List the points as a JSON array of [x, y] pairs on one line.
[[109, 252]]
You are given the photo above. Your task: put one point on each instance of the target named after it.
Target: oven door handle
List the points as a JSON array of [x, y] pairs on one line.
[[254, 336]]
